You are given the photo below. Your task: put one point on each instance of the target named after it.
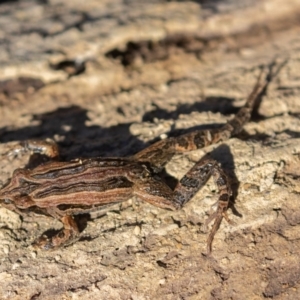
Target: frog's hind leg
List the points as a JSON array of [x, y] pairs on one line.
[[40, 151], [159, 194], [47, 147]]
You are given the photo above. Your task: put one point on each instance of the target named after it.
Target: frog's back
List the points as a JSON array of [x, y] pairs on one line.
[[88, 181]]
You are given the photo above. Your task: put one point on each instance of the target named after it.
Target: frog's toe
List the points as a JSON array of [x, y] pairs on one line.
[[43, 243]]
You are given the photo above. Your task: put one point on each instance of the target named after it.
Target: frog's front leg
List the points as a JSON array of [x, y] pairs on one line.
[[68, 235], [159, 194]]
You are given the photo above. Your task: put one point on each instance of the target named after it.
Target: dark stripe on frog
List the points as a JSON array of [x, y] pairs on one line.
[[75, 167], [65, 170], [199, 139], [183, 142], [224, 197], [79, 209], [189, 182], [221, 181], [97, 186]]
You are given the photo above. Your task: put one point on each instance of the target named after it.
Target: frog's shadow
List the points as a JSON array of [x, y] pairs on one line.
[[80, 140]]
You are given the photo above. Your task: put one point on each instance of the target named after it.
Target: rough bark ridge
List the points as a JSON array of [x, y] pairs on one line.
[[104, 78]]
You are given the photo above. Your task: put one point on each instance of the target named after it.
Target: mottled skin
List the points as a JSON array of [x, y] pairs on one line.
[[63, 189]]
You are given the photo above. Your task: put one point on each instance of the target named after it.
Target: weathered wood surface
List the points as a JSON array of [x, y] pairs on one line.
[[107, 77]]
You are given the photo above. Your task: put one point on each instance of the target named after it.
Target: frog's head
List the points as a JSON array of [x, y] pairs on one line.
[[8, 194], [14, 193]]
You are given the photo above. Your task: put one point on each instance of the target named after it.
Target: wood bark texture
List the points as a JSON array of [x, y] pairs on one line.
[[106, 78]]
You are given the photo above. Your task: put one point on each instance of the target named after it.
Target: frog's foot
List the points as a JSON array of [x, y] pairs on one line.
[[68, 235]]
